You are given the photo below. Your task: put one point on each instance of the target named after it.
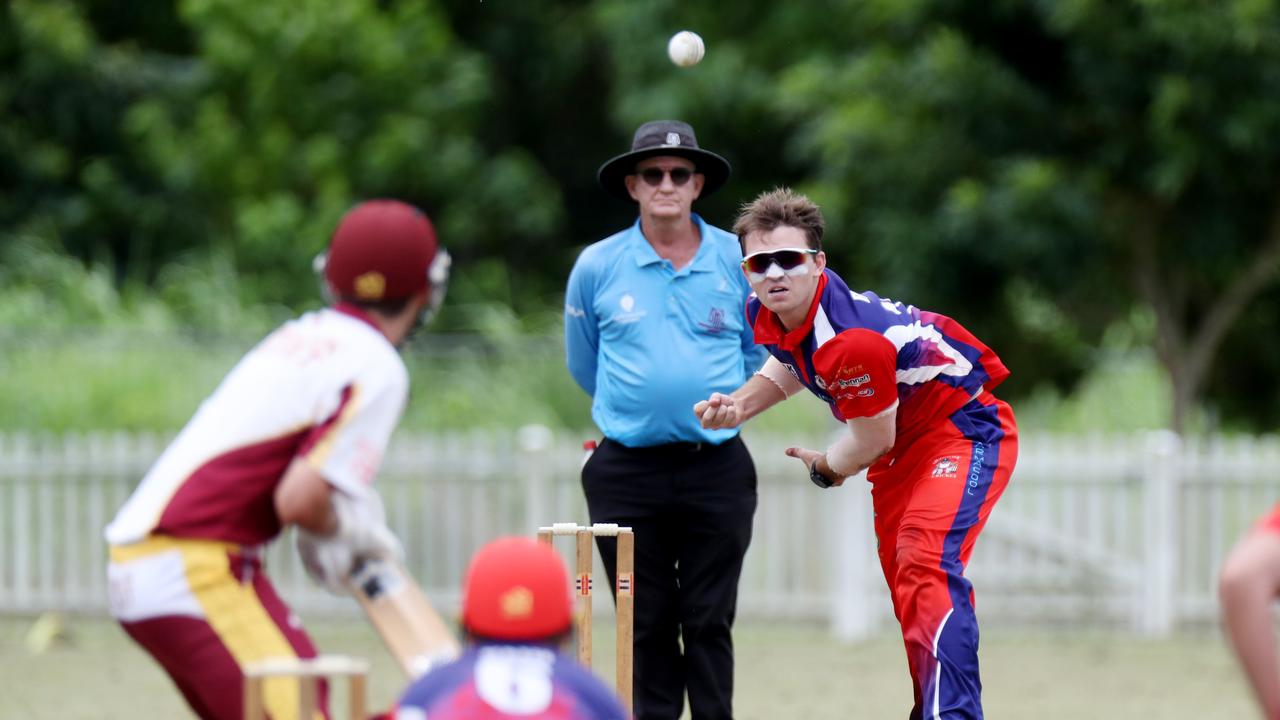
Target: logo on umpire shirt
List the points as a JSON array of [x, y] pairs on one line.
[[714, 322], [629, 314], [946, 466]]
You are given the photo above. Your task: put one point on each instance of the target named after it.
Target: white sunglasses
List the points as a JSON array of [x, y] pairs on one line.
[[791, 261]]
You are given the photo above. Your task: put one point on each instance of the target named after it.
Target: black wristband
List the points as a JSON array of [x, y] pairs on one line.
[[818, 478]]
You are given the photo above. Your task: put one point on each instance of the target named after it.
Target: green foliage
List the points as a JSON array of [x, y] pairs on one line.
[[1041, 171], [249, 148], [308, 106], [1052, 152], [43, 289], [98, 380]]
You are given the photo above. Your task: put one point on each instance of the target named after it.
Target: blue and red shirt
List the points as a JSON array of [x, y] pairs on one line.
[[1269, 522], [493, 681], [862, 353]]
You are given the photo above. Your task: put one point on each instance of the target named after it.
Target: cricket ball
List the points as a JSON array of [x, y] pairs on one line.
[[685, 48]]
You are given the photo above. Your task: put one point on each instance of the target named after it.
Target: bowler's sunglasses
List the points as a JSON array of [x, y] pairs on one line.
[[653, 176], [787, 259]]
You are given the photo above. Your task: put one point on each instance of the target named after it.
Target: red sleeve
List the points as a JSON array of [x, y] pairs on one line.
[[860, 370], [1270, 522]]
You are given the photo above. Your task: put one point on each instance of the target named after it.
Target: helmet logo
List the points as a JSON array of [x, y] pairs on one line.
[[370, 285], [517, 602], [673, 138]]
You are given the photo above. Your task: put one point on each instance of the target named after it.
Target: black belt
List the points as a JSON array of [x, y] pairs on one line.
[[672, 448]]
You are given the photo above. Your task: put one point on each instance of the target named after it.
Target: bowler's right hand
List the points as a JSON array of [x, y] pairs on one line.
[[718, 412]]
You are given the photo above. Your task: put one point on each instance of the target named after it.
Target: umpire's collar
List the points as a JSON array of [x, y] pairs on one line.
[[703, 260]]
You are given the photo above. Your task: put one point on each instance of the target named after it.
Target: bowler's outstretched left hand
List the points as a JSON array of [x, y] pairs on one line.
[[809, 457]]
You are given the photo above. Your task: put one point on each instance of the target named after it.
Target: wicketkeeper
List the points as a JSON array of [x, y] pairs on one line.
[[517, 611]]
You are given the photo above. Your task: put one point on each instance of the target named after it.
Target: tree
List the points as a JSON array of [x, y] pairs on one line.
[[1085, 155], [67, 172], [1043, 171], [244, 129], [309, 106]]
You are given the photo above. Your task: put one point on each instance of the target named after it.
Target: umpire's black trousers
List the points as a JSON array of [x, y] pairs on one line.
[[691, 505]]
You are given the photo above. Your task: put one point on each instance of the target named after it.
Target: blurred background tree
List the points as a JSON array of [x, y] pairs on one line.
[[1076, 181]]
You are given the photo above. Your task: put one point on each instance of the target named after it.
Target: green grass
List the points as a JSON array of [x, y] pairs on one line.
[[127, 381], [784, 670], [154, 380], [139, 380]]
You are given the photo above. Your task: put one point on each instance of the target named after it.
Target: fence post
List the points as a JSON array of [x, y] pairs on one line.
[[27, 453], [1156, 612], [536, 443], [850, 563]]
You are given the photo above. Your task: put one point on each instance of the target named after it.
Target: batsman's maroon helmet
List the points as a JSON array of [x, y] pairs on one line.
[[385, 250], [517, 589]]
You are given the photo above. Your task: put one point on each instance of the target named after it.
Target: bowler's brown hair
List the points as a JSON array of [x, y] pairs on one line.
[[777, 207]]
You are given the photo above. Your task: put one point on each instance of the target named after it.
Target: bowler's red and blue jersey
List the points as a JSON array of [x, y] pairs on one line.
[[862, 353], [932, 493], [495, 681], [1269, 522]]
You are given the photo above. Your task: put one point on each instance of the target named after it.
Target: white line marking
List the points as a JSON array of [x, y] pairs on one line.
[[937, 671]]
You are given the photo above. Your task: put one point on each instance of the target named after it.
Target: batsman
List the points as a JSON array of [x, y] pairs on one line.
[[294, 435], [913, 388]]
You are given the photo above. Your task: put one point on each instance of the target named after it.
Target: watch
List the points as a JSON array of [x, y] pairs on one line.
[[818, 478]]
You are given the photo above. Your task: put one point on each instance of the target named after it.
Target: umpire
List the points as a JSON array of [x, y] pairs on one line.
[[654, 322]]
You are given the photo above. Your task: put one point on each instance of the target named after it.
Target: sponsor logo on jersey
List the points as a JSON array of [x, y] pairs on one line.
[[854, 382], [975, 466], [946, 467], [366, 460]]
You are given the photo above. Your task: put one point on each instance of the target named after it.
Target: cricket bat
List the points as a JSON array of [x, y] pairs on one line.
[[412, 630]]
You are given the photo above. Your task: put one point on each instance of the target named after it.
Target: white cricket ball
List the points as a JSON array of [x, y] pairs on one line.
[[685, 48]]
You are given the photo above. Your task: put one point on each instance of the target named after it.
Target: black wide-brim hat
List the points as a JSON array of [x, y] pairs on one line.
[[663, 137]]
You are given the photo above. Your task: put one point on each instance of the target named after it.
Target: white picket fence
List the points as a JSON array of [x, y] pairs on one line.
[[1119, 531]]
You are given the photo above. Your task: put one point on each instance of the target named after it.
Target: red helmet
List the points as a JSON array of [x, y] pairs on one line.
[[517, 589], [385, 250]]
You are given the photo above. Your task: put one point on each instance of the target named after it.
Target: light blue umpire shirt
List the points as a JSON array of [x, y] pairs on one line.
[[647, 341]]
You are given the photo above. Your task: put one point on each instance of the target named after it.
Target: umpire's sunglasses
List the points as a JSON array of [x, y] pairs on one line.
[[653, 176], [787, 260]]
